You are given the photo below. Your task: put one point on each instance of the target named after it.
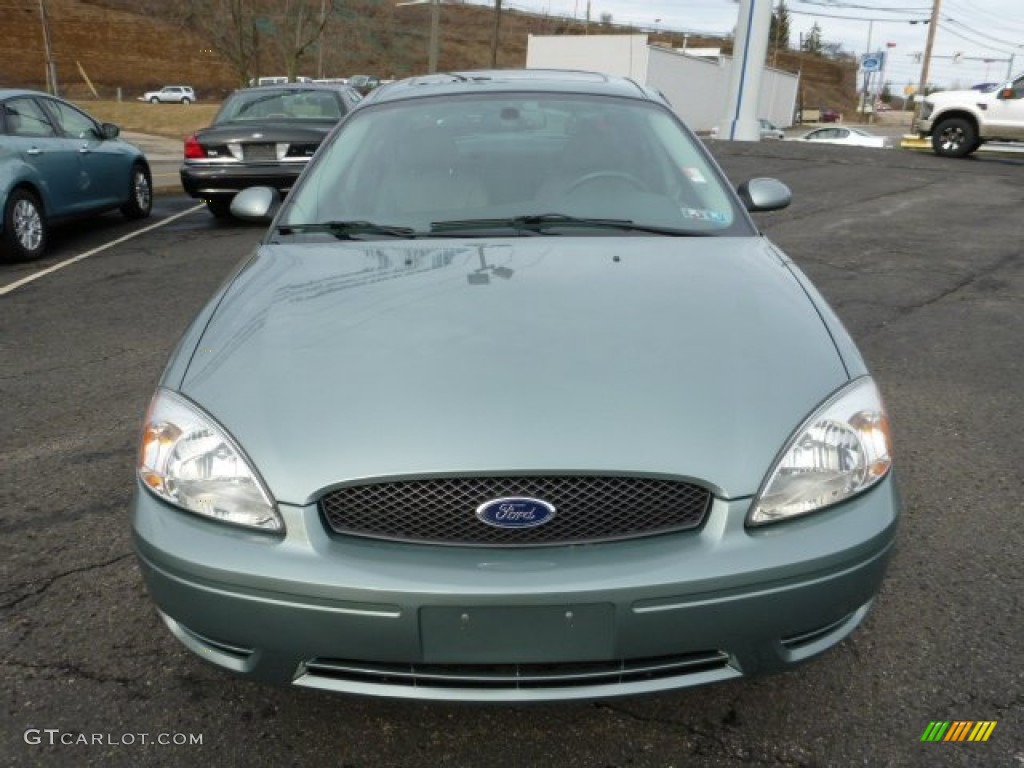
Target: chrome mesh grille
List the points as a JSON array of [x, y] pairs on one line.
[[588, 508]]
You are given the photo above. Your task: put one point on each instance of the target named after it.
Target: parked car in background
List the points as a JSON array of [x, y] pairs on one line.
[[851, 137], [57, 163], [278, 80], [364, 83], [770, 131], [828, 115], [261, 136], [514, 402], [170, 94]]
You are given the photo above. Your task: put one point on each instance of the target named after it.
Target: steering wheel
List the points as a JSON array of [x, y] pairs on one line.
[[628, 178]]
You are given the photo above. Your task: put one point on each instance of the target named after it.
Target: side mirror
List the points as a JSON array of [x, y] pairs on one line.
[[764, 195], [256, 204], [1007, 93], [109, 131]]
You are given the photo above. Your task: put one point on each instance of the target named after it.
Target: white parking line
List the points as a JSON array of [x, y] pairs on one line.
[[67, 262]]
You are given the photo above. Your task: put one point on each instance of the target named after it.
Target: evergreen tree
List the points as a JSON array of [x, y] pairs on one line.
[[813, 42], [779, 34]]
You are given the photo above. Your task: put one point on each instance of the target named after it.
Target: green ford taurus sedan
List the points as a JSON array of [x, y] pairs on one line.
[[514, 403]]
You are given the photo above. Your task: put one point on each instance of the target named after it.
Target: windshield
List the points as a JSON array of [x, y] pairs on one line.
[[271, 104], [497, 158]]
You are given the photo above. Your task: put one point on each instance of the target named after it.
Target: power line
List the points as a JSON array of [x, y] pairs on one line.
[[986, 46], [856, 18], [972, 10], [981, 34], [852, 6]]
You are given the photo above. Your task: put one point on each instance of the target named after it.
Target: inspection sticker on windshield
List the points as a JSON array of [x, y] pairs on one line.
[[701, 214], [694, 175]]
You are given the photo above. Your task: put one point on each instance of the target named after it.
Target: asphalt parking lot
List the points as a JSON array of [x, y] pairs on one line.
[[922, 259]]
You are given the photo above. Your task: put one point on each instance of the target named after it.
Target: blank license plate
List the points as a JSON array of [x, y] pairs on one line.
[[260, 152], [517, 635]]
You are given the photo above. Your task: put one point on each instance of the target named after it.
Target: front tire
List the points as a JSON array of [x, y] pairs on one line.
[[25, 232], [140, 202], [954, 137], [154, 100]]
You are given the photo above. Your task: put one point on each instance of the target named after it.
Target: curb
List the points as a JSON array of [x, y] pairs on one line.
[[909, 141]]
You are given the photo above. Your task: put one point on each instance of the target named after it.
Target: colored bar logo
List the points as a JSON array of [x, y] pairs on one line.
[[958, 730]]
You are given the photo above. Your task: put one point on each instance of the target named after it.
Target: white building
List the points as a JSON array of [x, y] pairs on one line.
[[697, 86]]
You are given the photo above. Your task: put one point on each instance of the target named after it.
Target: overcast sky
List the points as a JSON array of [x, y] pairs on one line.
[[978, 30]]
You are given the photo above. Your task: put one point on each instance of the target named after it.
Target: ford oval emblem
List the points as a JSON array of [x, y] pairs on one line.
[[515, 512]]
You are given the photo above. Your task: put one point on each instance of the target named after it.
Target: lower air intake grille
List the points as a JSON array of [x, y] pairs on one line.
[[513, 676], [587, 509]]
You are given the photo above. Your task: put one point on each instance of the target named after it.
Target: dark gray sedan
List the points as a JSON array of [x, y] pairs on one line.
[[261, 136], [514, 403]]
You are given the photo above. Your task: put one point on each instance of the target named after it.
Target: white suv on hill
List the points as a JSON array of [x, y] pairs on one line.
[[173, 94]]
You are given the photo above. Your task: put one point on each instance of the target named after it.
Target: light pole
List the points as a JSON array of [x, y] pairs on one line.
[[867, 75], [435, 29]]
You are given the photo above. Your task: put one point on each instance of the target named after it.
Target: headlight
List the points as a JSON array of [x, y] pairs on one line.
[[187, 459], [840, 451]]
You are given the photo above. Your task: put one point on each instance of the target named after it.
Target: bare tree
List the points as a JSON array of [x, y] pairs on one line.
[[297, 29], [229, 26], [242, 30]]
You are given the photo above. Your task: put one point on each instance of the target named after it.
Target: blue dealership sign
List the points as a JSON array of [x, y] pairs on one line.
[[872, 62]]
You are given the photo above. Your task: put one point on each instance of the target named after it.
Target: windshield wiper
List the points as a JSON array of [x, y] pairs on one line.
[[345, 230], [541, 222]]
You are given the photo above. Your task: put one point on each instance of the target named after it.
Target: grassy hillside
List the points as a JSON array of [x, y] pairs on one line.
[[130, 45]]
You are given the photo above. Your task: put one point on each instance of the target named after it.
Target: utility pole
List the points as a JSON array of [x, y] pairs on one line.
[[435, 30], [926, 66], [51, 67], [320, 40], [435, 35], [497, 33]]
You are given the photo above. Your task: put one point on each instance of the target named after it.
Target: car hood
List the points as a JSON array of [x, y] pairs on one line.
[[694, 357]]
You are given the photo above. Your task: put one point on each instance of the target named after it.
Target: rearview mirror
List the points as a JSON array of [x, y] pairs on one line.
[[256, 204], [764, 195]]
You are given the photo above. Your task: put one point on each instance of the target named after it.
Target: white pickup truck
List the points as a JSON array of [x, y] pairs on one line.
[[959, 122]]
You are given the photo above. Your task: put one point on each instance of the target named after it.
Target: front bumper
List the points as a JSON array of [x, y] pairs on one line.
[[530, 624], [208, 180]]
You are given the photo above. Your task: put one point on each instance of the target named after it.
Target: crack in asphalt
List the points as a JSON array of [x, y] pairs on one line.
[[816, 212], [51, 580], [705, 735], [75, 365], [965, 282], [66, 668]]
